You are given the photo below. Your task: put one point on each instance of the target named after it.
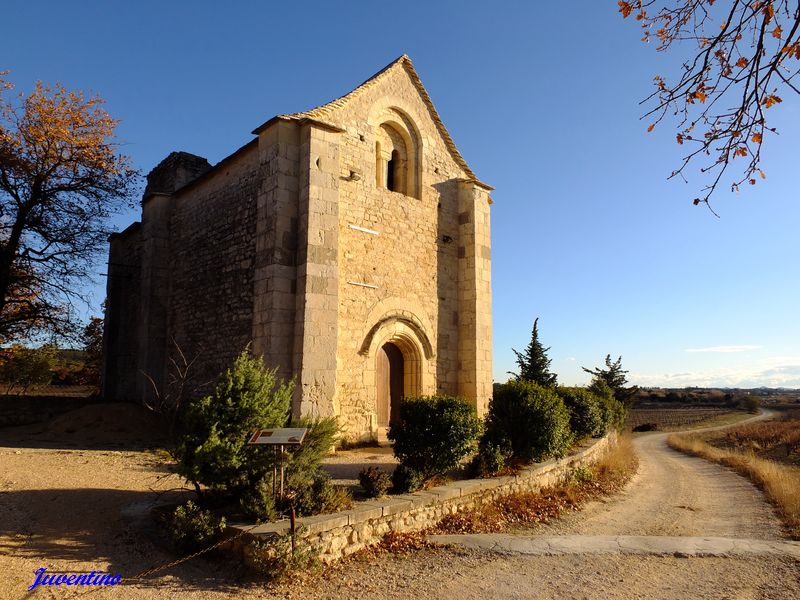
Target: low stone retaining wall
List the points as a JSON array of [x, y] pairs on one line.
[[336, 535]]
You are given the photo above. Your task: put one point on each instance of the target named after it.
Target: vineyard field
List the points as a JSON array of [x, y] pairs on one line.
[[669, 418]]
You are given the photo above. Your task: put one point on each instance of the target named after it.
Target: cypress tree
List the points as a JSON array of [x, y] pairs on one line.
[[533, 363]]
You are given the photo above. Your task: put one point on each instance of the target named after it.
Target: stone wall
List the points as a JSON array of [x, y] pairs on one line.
[[211, 260], [340, 534], [120, 371], [402, 256]]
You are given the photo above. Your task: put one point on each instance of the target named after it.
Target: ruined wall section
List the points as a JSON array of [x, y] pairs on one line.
[[212, 258], [121, 326]]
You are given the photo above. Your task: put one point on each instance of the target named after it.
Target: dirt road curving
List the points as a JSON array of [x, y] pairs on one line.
[[678, 495]]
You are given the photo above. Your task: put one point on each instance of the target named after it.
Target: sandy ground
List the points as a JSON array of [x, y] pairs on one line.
[[73, 507]]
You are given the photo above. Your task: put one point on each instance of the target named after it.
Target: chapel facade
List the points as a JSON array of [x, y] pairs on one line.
[[349, 245]]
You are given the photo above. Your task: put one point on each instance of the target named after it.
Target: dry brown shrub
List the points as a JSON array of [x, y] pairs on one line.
[[605, 477], [767, 435]]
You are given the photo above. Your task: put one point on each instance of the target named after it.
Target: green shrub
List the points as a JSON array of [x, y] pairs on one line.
[[306, 481], [275, 559], [193, 528], [258, 502], [22, 367], [212, 447], [585, 418], [490, 459], [301, 462], [316, 494], [532, 420], [374, 482], [612, 412], [433, 433], [406, 479]]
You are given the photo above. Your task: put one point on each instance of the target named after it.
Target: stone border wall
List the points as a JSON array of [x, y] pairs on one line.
[[340, 534]]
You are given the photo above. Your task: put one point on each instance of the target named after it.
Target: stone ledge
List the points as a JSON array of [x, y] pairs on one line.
[[363, 512], [339, 534]]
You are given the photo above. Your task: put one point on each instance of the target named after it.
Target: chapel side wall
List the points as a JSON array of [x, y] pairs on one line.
[[212, 266], [121, 323], [412, 262]]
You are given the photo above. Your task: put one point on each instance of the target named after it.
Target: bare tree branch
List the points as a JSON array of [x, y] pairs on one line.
[[743, 58]]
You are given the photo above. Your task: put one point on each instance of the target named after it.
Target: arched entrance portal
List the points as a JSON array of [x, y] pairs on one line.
[[390, 382]]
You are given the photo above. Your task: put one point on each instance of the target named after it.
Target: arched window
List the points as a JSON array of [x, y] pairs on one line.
[[394, 157]]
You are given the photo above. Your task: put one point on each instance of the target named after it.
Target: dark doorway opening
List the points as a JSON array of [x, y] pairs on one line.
[[390, 377]]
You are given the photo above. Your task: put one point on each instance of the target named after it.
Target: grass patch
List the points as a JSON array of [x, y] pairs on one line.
[[604, 478], [779, 482]]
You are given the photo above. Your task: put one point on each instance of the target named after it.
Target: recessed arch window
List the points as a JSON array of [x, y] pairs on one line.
[[396, 159]]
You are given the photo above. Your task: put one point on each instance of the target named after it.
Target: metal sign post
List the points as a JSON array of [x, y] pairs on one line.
[[278, 438]]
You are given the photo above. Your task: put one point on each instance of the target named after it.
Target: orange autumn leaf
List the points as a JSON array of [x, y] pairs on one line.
[[769, 12], [752, 182], [757, 138], [742, 62], [679, 138], [700, 96], [776, 33], [741, 151], [649, 129], [625, 8], [763, 175], [771, 100]]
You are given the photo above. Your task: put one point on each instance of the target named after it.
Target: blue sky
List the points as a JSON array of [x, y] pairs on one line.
[[543, 101]]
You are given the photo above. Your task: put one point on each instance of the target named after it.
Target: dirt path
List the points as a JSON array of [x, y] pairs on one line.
[[678, 495], [83, 509]]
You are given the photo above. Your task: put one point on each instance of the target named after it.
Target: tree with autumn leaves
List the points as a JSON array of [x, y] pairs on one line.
[[61, 177], [744, 58]]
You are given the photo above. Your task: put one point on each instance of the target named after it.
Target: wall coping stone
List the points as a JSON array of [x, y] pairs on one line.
[[364, 511], [394, 512], [392, 506], [320, 523]]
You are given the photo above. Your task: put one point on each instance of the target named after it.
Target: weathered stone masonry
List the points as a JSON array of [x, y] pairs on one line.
[[334, 536], [348, 244]]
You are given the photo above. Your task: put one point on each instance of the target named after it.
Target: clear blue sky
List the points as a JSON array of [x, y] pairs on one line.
[[542, 100]]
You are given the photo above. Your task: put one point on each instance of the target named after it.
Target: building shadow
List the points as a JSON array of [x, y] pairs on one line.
[[114, 531], [96, 426]]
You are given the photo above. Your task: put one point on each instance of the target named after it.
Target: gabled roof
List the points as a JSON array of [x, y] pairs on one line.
[[320, 113]]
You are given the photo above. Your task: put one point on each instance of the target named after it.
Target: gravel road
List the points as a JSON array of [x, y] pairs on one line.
[[86, 509], [677, 495]]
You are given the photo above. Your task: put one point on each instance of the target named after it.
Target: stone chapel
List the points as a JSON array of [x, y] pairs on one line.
[[348, 245]]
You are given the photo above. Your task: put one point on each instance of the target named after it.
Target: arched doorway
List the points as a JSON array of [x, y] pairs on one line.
[[390, 379]]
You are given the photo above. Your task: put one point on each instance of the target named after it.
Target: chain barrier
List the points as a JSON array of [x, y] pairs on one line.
[[172, 563]]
